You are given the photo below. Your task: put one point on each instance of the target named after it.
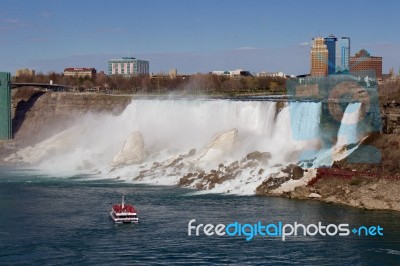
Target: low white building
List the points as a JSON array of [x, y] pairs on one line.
[[272, 74], [232, 73]]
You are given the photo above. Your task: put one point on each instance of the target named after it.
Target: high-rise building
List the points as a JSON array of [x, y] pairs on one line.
[[128, 67], [330, 43], [343, 55], [363, 64], [319, 57]]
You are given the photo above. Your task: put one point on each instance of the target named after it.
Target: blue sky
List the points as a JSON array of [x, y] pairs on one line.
[[192, 36]]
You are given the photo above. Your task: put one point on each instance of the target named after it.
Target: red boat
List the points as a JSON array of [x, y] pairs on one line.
[[124, 213]]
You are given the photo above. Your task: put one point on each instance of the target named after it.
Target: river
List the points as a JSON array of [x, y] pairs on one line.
[[49, 220]]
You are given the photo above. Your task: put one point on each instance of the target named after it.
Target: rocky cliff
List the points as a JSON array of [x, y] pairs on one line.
[[37, 115], [391, 118]]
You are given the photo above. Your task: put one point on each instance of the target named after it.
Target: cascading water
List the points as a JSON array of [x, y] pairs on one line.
[[169, 129], [346, 135], [348, 127]]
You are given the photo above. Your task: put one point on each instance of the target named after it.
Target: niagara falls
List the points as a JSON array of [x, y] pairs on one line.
[[162, 141], [199, 133]]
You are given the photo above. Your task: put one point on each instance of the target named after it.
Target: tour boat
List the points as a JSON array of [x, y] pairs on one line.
[[123, 213]]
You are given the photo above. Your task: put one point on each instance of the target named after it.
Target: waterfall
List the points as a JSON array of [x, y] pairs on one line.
[[347, 134], [348, 126], [305, 120], [169, 129]]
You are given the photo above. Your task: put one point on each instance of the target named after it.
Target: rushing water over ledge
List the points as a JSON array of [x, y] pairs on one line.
[[147, 140]]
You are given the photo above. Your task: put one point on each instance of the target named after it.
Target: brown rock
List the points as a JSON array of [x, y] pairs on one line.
[[192, 152], [297, 172], [232, 167], [262, 157]]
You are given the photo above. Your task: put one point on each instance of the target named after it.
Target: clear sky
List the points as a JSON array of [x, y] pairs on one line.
[[191, 35]]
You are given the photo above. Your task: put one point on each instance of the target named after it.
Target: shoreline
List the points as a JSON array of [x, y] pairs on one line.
[[368, 193]]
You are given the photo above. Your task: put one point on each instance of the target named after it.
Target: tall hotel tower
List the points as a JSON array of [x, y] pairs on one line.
[[343, 55], [319, 57], [330, 43]]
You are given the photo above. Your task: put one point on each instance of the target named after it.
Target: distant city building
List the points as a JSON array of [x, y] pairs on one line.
[[343, 55], [25, 72], [274, 74], [338, 56], [128, 67], [319, 57], [232, 73], [80, 72], [172, 74], [363, 64], [330, 43]]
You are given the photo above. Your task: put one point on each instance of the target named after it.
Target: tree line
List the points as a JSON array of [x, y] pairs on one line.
[[160, 84], [208, 84]]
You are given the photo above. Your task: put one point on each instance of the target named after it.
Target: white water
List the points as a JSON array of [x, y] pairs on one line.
[[346, 135], [173, 127], [348, 127]]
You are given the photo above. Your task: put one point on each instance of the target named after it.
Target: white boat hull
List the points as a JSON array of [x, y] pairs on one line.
[[124, 219]]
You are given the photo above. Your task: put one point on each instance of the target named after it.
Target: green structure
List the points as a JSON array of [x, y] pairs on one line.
[[5, 106]]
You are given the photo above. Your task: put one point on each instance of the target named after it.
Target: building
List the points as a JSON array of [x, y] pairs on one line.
[[232, 73], [363, 64], [25, 72], [274, 74], [343, 55], [338, 59], [80, 72], [172, 74], [338, 54], [330, 43], [128, 67], [319, 57]]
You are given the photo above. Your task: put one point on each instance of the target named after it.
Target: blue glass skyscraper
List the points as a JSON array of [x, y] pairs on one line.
[[343, 55], [330, 43]]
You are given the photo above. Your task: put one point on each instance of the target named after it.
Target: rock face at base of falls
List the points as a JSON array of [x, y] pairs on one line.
[[56, 144], [223, 140], [132, 152], [221, 143], [252, 166], [259, 156]]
